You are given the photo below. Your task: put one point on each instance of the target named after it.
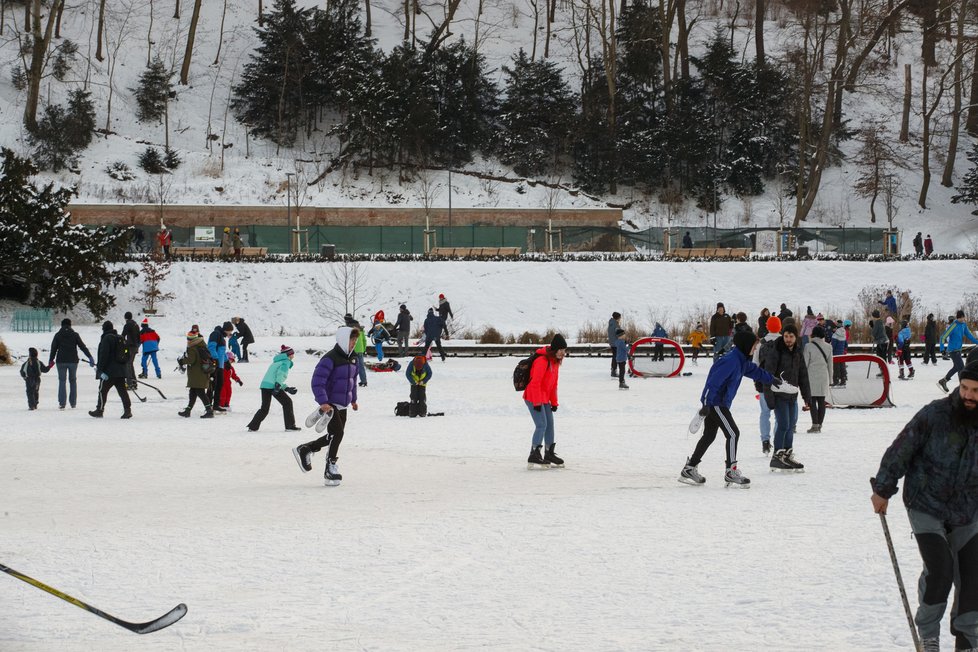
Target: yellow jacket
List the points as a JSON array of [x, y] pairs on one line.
[[696, 338]]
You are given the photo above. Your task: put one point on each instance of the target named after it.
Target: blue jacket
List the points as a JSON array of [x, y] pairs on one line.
[[954, 336], [416, 377], [217, 345], [890, 304], [903, 337], [621, 350], [659, 331], [839, 341], [433, 325], [723, 381]]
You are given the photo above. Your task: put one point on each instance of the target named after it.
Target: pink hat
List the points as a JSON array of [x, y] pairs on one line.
[[287, 350]]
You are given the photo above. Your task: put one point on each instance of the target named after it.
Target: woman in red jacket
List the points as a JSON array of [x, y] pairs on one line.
[[540, 396]]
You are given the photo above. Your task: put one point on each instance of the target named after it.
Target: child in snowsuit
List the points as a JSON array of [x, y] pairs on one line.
[[621, 356], [229, 375], [31, 372], [150, 341], [419, 374], [334, 384], [379, 335], [696, 339], [659, 351], [274, 384], [904, 338]]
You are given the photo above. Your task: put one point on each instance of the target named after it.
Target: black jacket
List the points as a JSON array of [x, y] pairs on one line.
[[130, 333], [65, 345], [107, 357], [938, 453], [403, 325], [445, 310], [930, 332], [245, 330], [787, 364], [433, 325], [32, 369]]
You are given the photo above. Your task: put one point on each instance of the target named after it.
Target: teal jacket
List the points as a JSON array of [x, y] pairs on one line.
[[278, 372]]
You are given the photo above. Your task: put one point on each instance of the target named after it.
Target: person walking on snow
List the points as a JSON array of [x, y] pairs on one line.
[[229, 375], [952, 340], [818, 361], [937, 453], [918, 244], [111, 369], [904, 338], [928, 246], [197, 360], [720, 389], [621, 356], [64, 353], [433, 325], [31, 372], [274, 384], [444, 311], [419, 374], [540, 397], [335, 388], [246, 336], [613, 325], [150, 341]]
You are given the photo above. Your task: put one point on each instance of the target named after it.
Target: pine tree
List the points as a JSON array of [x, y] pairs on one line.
[[153, 90], [64, 131], [535, 118], [968, 190], [151, 161], [63, 264]]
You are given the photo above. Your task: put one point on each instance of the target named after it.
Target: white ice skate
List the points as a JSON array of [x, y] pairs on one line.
[[696, 423], [323, 421]]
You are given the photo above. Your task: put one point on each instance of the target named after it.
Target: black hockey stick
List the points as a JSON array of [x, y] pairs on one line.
[[167, 619], [153, 387], [142, 399], [899, 578]]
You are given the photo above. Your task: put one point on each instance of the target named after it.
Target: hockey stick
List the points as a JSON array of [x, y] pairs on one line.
[[153, 387], [142, 399], [899, 579], [167, 619]]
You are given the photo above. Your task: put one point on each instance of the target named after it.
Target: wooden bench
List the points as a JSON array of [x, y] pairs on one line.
[[474, 252], [710, 252], [215, 252]]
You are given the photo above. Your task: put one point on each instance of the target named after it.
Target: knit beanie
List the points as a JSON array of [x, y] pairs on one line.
[[107, 326], [557, 343], [790, 328], [970, 372], [773, 324], [192, 335], [287, 350], [744, 341]]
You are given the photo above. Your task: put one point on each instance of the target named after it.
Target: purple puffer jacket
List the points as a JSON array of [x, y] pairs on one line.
[[335, 379]]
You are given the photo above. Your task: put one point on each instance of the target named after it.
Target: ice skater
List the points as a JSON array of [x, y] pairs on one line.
[[274, 384]]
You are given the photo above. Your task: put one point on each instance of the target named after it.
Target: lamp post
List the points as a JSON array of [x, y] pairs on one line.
[[288, 205]]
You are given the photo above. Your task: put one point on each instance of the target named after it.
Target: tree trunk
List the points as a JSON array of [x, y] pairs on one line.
[[536, 24], [759, 32], [27, 15], [665, 20], [57, 26], [925, 145], [261, 19], [407, 20], [39, 50], [441, 32], [366, 25], [101, 31], [683, 44], [551, 15], [952, 146], [176, 10], [972, 123], [149, 36], [220, 35], [188, 53], [929, 20], [907, 95]]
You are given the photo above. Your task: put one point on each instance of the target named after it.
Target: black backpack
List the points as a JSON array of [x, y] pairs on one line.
[[121, 350], [402, 409], [521, 375]]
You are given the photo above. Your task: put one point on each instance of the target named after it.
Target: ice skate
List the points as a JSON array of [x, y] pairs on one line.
[[780, 464], [942, 383], [766, 447], [690, 475], [733, 477], [790, 459], [303, 456], [323, 422], [332, 477], [622, 385], [552, 459], [535, 460], [313, 418]]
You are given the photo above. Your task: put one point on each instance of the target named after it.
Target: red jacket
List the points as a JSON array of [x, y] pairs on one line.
[[542, 387], [165, 238]]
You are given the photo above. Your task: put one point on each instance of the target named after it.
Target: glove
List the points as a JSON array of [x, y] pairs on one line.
[[703, 411], [291, 390], [537, 408], [239, 383], [91, 363], [553, 408], [103, 376]]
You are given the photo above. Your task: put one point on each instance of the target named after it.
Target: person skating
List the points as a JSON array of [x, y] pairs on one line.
[[840, 346], [937, 453], [889, 302], [621, 356], [444, 311], [773, 328], [247, 337], [197, 361], [275, 384], [403, 328], [951, 341], [613, 325], [335, 388], [540, 397], [112, 369], [696, 338], [808, 324], [64, 353], [419, 374], [433, 325], [818, 361], [904, 338], [658, 351], [130, 333], [930, 340], [720, 389], [150, 342], [229, 375], [784, 360], [880, 340], [31, 372]]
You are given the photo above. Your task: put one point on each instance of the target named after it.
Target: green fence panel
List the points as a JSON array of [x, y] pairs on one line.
[[33, 320]]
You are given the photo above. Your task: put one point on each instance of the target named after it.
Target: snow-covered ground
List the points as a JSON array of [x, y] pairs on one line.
[[439, 538]]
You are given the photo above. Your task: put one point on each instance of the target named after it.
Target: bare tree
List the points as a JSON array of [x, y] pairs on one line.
[[345, 289], [952, 146], [119, 28], [191, 34], [101, 31], [40, 43], [442, 30], [877, 161], [220, 35], [149, 36], [176, 10]]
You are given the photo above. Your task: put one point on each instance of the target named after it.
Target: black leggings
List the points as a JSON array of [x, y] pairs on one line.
[[717, 418], [817, 407], [266, 403], [333, 436], [621, 372]]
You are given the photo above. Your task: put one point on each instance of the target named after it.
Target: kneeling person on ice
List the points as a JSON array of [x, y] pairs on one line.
[[540, 397], [334, 384], [722, 384], [419, 374]]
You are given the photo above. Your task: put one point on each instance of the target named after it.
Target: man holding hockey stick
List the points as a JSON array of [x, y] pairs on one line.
[[721, 387], [938, 453]]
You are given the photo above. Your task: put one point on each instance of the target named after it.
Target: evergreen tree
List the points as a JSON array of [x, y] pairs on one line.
[[594, 154], [273, 97], [968, 190], [63, 264], [341, 54], [64, 131], [151, 161], [153, 90], [535, 118], [366, 135]]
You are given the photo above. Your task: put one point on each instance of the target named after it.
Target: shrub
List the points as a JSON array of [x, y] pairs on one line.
[[490, 336], [64, 131], [870, 296], [5, 357], [120, 171], [526, 337]]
